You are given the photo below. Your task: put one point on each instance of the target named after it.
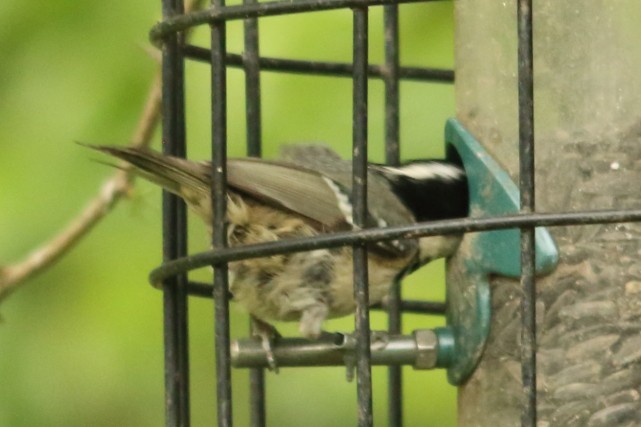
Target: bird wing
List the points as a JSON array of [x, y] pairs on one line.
[[299, 190], [314, 195], [384, 206]]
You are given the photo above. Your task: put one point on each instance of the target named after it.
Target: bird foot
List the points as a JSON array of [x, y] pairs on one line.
[[268, 336]]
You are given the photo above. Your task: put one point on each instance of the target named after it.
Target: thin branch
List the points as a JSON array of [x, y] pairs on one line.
[[15, 275]]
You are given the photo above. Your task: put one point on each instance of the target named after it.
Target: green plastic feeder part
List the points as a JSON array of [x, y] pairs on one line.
[[492, 193]]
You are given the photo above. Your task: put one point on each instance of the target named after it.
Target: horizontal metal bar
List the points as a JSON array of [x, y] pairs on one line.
[[338, 69], [205, 290], [454, 226], [416, 306], [244, 11], [418, 350]]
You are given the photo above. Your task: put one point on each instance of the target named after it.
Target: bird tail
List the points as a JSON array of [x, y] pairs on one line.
[[179, 176]]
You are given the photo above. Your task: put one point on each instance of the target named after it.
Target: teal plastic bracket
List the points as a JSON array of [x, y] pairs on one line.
[[492, 193]]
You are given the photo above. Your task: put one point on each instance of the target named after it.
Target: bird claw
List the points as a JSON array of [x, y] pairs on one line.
[[350, 368], [267, 343], [268, 336]]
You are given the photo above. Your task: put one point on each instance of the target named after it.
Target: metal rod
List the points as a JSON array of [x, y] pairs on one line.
[[407, 306], [359, 199], [337, 69], [392, 156], [432, 228], [395, 373], [391, 75], [251, 63], [418, 350], [419, 307], [257, 406], [219, 208], [250, 60], [526, 174], [174, 234], [242, 11]]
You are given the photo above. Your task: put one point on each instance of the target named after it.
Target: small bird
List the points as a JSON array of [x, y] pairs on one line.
[[305, 193]]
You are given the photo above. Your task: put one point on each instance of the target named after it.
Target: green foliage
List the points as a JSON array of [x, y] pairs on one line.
[[82, 343]]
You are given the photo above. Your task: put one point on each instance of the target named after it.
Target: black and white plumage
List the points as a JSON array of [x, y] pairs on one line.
[[305, 193]]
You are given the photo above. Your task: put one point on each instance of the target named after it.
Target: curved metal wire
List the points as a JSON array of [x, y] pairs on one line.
[[324, 68], [464, 225], [243, 11]]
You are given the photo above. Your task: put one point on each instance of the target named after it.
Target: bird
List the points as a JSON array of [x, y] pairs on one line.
[[307, 192]]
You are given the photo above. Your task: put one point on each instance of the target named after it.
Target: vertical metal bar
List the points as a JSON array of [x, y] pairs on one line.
[[219, 208], [526, 170], [174, 227], [392, 156], [257, 407], [359, 184], [391, 78], [254, 147], [252, 85]]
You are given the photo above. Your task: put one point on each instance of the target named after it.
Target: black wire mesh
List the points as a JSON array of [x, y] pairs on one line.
[[251, 66], [172, 274], [174, 232], [173, 109], [526, 189], [392, 157]]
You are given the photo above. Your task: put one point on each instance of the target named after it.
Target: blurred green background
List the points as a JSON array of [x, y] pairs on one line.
[[81, 344]]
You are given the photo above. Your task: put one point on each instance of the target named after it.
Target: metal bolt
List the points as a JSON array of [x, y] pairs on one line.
[[427, 346]]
